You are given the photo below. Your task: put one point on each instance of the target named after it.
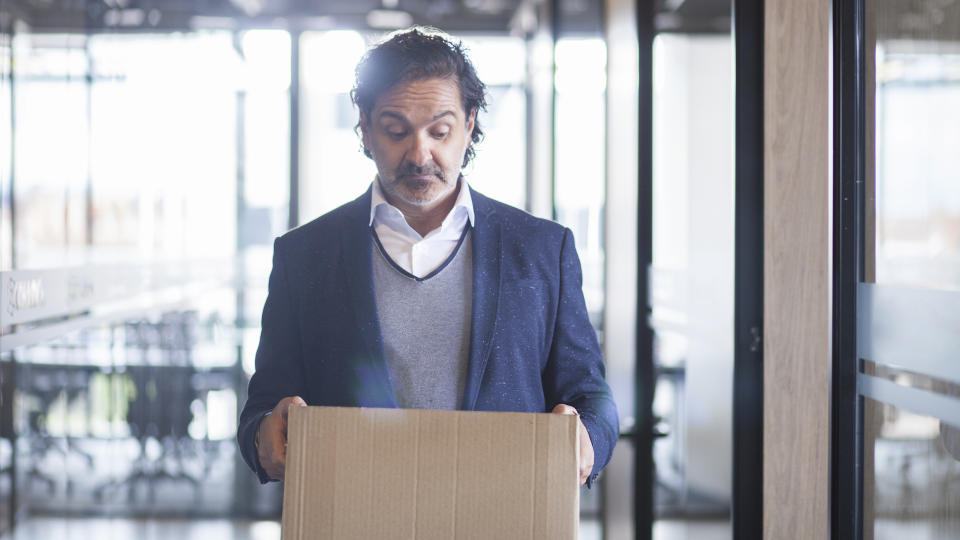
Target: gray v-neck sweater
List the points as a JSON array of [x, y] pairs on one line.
[[425, 324]]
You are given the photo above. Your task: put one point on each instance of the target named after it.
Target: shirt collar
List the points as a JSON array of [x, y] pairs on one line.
[[464, 200]]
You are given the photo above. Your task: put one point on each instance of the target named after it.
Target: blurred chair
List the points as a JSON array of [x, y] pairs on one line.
[[48, 384], [161, 367]]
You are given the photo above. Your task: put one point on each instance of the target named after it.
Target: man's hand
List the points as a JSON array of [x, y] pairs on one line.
[[272, 437], [586, 447]]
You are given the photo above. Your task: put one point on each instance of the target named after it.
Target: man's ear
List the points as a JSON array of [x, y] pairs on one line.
[[471, 122], [364, 132], [363, 123]]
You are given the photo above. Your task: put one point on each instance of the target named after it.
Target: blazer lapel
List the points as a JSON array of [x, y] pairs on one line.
[[486, 295], [373, 386]]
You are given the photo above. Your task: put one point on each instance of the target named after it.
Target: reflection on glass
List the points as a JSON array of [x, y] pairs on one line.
[[692, 275]]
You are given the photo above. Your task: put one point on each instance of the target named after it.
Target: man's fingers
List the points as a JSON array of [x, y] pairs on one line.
[[586, 458], [273, 437], [298, 401], [586, 446], [275, 470], [281, 434], [286, 403], [586, 454], [564, 409]]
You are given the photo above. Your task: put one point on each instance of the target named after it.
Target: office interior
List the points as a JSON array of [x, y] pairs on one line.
[[151, 150]]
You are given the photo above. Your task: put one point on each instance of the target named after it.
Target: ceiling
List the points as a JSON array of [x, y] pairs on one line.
[[912, 19], [165, 15], [573, 17]]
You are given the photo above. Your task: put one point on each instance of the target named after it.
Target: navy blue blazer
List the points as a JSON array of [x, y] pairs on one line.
[[531, 343]]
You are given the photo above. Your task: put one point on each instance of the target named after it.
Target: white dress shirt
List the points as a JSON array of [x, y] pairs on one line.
[[417, 254]]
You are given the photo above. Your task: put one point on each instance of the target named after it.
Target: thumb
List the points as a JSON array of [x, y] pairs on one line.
[[297, 401], [564, 409]]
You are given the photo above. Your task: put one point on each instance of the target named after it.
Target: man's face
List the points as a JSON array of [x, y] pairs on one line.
[[417, 133]]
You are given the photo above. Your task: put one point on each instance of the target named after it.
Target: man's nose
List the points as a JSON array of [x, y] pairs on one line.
[[420, 154]]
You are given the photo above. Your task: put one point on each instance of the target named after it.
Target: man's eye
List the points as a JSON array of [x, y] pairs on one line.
[[440, 134], [397, 134]]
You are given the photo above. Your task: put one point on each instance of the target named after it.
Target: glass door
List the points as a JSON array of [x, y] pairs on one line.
[[897, 406]]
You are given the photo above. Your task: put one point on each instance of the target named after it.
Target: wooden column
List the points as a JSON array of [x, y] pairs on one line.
[[797, 263]]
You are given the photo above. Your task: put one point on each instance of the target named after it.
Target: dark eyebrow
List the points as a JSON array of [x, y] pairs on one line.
[[394, 115], [402, 118], [441, 115]]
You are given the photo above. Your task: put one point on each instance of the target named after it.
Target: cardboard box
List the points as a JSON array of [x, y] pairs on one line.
[[379, 474]]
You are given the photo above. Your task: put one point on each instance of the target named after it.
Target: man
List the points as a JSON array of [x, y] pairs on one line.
[[423, 293]]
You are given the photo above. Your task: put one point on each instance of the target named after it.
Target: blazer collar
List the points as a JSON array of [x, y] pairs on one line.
[[487, 257], [374, 388]]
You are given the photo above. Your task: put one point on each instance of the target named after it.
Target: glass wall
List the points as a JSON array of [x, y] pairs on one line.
[[917, 163], [499, 169], [580, 151], [162, 147], [50, 194], [145, 134], [6, 255], [692, 274], [912, 446], [264, 179], [915, 485], [332, 165], [122, 210]]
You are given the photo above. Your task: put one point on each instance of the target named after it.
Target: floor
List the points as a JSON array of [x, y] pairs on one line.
[[675, 529], [56, 528], [53, 528], [889, 529]]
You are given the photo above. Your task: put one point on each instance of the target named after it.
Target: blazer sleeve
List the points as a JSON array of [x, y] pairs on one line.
[[279, 369], [574, 373]]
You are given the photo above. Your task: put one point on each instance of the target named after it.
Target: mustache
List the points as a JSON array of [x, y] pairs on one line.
[[409, 169]]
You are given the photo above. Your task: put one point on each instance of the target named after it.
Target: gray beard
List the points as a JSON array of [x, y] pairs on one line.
[[388, 187]]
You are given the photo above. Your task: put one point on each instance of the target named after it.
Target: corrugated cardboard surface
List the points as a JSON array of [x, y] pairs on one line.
[[357, 473]]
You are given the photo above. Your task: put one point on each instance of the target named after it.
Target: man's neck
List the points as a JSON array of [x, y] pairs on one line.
[[424, 219]]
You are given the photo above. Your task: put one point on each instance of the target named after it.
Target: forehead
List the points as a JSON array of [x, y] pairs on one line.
[[421, 97]]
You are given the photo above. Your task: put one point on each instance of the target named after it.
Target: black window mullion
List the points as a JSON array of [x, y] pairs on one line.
[[644, 477], [849, 154], [747, 497]]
